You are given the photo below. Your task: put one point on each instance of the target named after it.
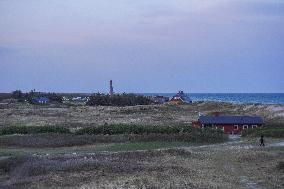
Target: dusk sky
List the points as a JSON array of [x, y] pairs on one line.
[[142, 45]]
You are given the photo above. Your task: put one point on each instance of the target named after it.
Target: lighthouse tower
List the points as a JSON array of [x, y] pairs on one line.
[[110, 88]]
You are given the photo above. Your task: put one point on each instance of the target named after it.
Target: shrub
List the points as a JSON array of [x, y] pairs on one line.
[[276, 131], [280, 166], [176, 133], [29, 96], [134, 129], [124, 99], [32, 130], [9, 163], [4, 96], [17, 94]]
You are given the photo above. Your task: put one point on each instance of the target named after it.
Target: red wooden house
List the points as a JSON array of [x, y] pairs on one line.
[[229, 124]]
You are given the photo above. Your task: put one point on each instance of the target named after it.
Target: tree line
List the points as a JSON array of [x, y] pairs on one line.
[[29, 96], [99, 99]]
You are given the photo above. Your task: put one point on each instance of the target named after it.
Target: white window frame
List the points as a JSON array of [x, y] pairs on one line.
[[254, 126], [236, 126], [245, 127]]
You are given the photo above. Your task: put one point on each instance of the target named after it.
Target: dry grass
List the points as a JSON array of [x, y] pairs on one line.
[[83, 116], [53, 140], [217, 166]]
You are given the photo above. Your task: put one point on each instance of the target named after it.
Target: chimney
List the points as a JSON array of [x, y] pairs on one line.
[[110, 88]]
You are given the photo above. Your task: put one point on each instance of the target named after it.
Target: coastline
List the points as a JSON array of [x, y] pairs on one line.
[[235, 98]]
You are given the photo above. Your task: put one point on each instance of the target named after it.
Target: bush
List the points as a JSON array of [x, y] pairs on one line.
[[4, 96], [17, 94], [268, 130], [22, 97], [179, 133], [32, 130], [280, 166], [118, 100], [133, 129]]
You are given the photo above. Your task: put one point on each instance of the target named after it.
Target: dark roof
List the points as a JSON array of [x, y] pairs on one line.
[[182, 96], [42, 99], [230, 120]]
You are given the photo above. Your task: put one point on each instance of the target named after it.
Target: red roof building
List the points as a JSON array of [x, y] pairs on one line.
[[229, 124]]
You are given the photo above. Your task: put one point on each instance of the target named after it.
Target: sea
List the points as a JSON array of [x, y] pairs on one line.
[[236, 98]]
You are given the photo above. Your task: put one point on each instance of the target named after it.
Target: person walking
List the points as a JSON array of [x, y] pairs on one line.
[[261, 141]]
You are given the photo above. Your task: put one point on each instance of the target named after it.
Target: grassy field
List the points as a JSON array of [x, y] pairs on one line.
[[275, 130], [145, 165], [77, 116], [101, 147], [56, 146]]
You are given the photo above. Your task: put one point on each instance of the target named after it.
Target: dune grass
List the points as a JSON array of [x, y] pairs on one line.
[[22, 129], [269, 130], [112, 147], [112, 129]]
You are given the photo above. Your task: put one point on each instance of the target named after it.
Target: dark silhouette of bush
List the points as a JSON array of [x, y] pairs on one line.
[[32, 130], [4, 96], [17, 94], [275, 130], [113, 129], [29, 96], [184, 132], [124, 99], [280, 166]]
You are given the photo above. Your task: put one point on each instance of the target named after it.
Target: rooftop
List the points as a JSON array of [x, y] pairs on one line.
[[231, 120]]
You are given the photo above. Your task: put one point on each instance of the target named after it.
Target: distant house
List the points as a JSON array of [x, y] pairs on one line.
[[64, 98], [179, 98], [40, 100], [160, 99], [81, 99], [229, 124]]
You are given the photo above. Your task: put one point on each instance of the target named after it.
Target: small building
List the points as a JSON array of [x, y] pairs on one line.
[[180, 98], [81, 99], [40, 100], [229, 124], [159, 99]]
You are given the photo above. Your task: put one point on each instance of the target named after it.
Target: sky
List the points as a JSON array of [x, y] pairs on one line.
[[206, 46]]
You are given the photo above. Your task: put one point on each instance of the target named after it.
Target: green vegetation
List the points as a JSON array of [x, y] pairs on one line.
[[268, 130], [112, 147], [124, 99], [4, 96], [57, 136], [133, 146], [32, 130], [280, 166], [113, 129], [178, 133], [21, 97], [17, 94]]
